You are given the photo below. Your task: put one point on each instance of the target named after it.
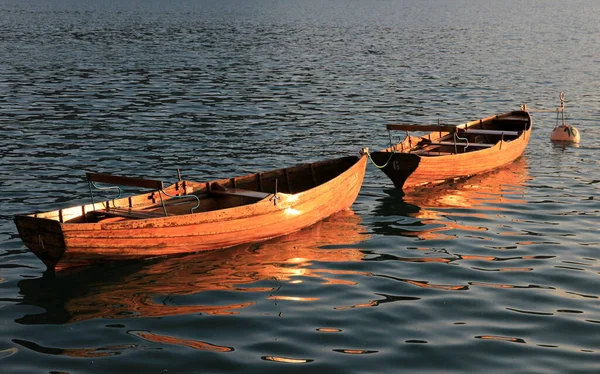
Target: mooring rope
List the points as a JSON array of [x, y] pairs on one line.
[[380, 166], [366, 151]]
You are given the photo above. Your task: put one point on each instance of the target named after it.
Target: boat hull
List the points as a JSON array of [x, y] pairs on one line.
[[80, 243], [408, 169]]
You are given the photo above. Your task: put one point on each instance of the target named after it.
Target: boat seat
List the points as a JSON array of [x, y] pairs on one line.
[[488, 132], [474, 145], [116, 181], [433, 153], [127, 213], [239, 192]]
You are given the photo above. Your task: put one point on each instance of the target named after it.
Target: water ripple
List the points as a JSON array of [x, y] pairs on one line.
[[444, 279]]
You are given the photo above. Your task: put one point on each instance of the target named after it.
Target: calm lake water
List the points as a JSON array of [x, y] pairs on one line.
[[499, 273]]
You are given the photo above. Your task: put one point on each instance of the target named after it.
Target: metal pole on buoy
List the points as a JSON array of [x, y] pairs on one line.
[[564, 133]]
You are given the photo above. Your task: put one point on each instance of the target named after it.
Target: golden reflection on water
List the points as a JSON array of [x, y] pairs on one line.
[[490, 187], [287, 360], [8, 352], [354, 351], [195, 344], [145, 288], [293, 298], [501, 338], [446, 287], [477, 197], [328, 330], [355, 306]]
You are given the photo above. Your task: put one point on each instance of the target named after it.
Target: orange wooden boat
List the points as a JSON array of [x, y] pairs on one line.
[[189, 216], [450, 152]]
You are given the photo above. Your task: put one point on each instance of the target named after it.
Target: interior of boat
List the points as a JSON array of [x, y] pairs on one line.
[[475, 136], [185, 197]]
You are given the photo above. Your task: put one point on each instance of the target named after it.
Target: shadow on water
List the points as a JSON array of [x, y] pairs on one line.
[[427, 212], [139, 289]]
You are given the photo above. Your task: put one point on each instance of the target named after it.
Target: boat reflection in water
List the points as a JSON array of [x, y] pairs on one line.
[[433, 212], [463, 210], [145, 288]]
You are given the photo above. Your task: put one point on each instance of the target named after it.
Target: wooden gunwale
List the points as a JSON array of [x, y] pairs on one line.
[[188, 229], [215, 231], [245, 216]]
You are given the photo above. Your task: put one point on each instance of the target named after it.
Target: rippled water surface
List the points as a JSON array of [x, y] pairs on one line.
[[497, 273]]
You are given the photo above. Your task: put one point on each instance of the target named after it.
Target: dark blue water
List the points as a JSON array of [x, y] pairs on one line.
[[499, 273]]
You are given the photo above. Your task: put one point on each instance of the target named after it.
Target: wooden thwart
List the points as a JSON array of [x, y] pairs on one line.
[[240, 192], [450, 129], [478, 145], [126, 181], [127, 213], [434, 153], [488, 132]]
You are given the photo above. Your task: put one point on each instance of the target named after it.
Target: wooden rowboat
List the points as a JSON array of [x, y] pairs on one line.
[[449, 152], [189, 217]]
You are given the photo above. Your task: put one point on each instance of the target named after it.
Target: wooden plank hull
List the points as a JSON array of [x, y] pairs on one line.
[[76, 242], [418, 161]]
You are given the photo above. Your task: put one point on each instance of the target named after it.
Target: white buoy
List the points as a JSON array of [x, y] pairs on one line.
[[565, 133]]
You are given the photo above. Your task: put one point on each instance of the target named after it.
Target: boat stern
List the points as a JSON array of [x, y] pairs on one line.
[[44, 237], [398, 166]]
